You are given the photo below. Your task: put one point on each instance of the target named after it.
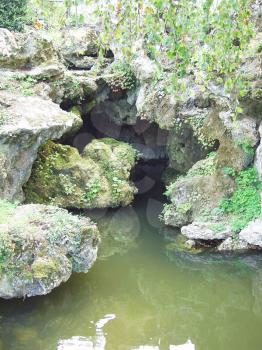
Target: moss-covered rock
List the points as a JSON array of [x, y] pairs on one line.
[[40, 246], [197, 193], [98, 178]]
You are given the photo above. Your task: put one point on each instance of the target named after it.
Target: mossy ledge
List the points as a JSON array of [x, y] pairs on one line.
[[98, 178]]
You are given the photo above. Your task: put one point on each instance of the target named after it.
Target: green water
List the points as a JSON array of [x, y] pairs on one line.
[[158, 296]]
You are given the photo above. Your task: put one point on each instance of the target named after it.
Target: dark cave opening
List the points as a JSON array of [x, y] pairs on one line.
[[147, 138]]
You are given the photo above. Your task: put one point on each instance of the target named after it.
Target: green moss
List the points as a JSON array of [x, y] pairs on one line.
[[43, 268], [45, 182], [205, 167], [98, 178], [244, 205], [93, 189], [121, 77], [6, 209]]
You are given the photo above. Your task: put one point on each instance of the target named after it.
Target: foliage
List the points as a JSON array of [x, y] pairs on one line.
[[204, 167], [13, 14], [244, 205], [6, 209], [211, 40], [93, 189], [121, 77], [57, 14], [26, 84]]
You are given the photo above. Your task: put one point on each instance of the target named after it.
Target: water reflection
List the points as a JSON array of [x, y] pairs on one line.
[[213, 299]]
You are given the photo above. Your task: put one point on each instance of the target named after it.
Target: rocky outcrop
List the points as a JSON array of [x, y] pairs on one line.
[[40, 247], [25, 51], [79, 47], [98, 178], [252, 234], [197, 193], [233, 244], [207, 231], [26, 123]]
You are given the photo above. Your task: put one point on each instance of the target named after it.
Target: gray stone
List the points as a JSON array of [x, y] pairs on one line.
[[40, 248], [27, 122], [206, 231], [233, 244], [252, 234], [77, 43]]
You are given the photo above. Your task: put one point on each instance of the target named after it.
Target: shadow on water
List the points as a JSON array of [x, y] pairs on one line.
[[157, 295]]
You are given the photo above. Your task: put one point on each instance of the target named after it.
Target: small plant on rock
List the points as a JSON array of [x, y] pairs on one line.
[[244, 205], [13, 14], [121, 77]]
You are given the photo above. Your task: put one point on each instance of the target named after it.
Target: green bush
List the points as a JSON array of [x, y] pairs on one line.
[[244, 205], [13, 14]]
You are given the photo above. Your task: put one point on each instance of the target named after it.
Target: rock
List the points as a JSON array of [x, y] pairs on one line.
[[27, 123], [200, 191], [40, 247], [258, 157], [25, 50], [233, 244], [144, 68], [9, 50], [183, 149], [252, 234], [120, 112], [73, 87], [98, 178], [190, 243], [78, 43], [206, 231], [85, 62]]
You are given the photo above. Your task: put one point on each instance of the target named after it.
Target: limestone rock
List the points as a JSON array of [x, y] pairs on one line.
[[258, 157], [40, 246], [25, 50], [201, 190], [27, 122], [233, 244], [206, 231], [98, 178], [252, 234], [77, 43]]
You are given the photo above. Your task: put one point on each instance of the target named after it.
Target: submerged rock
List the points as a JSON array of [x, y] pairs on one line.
[[26, 123], [40, 247], [98, 178]]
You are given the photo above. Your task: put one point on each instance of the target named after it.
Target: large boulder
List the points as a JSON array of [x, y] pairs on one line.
[[40, 247], [197, 193], [79, 47], [25, 50], [258, 156], [252, 234], [26, 123], [207, 231], [98, 178]]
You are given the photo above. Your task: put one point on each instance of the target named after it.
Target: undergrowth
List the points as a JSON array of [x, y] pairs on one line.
[[244, 205]]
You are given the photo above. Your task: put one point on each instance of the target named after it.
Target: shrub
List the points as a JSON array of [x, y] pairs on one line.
[[6, 209], [244, 205], [13, 14], [121, 78]]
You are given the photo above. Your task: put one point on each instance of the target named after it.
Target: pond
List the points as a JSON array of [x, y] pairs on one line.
[[157, 295]]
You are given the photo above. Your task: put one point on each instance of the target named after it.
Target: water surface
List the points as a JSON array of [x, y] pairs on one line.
[[158, 296]]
